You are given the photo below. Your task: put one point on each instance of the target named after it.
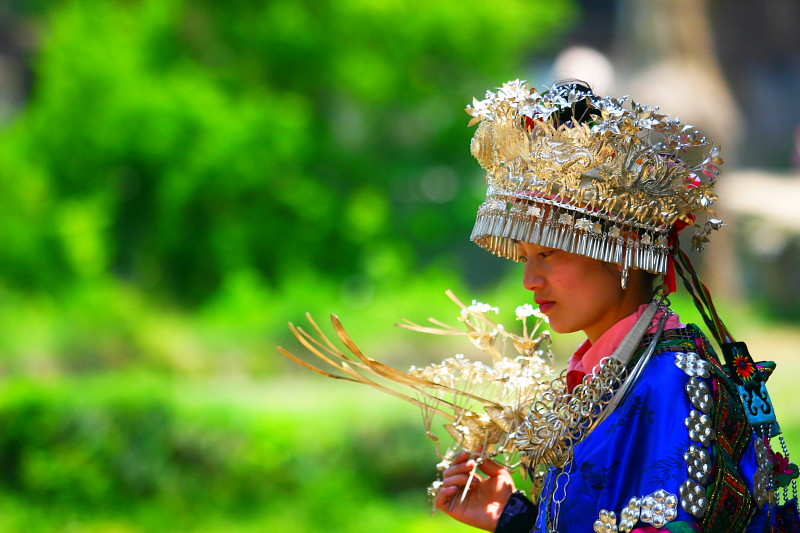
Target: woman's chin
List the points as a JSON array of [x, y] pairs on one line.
[[560, 327]]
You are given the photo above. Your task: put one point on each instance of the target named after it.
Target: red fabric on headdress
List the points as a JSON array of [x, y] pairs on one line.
[[669, 278]]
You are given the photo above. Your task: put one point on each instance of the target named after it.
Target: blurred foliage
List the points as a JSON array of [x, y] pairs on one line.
[[184, 179], [156, 455], [179, 145], [187, 176], [140, 454]]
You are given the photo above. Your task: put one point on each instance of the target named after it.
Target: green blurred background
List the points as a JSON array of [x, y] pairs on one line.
[[179, 179]]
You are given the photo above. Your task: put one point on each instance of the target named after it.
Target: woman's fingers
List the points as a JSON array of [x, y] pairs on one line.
[[459, 480], [458, 468], [487, 466], [461, 458], [471, 497], [444, 497], [491, 468]]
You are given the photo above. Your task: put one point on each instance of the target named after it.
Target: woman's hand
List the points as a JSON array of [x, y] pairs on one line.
[[486, 496]]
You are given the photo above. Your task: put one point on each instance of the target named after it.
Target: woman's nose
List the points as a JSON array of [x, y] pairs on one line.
[[532, 278]]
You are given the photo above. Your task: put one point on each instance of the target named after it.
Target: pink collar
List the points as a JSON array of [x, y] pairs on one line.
[[589, 355]]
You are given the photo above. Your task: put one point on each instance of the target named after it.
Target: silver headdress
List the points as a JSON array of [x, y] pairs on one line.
[[571, 170]]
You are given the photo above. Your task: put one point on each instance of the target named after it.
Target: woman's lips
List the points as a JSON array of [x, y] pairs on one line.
[[545, 306]]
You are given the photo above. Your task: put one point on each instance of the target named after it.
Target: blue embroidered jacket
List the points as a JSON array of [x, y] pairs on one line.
[[642, 465]]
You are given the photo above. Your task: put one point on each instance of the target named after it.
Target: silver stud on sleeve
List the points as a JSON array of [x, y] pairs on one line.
[[629, 516], [691, 363], [693, 498], [698, 462], [659, 508], [699, 394], [606, 523], [699, 426]]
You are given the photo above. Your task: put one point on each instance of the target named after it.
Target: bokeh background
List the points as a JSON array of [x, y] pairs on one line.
[[179, 179]]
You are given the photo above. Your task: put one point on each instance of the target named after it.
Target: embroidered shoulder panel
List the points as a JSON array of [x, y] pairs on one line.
[[715, 492]]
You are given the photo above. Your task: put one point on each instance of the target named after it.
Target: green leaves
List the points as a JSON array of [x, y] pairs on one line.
[[175, 142]]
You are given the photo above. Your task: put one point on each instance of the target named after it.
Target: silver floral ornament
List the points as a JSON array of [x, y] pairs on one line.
[[606, 522], [693, 498], [699, 394], [699, 426], [659, 508], [698, 463], [691, 363], [630, 515]]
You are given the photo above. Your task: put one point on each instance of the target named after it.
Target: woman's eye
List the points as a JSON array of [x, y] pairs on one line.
[[545, 254], [520, 250]]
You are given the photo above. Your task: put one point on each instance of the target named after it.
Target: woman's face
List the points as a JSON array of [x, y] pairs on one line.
[[576, 293]]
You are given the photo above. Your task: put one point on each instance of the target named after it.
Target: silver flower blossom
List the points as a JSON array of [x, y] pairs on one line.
[[630, 515], [659, 508], [692, 365], [606, 523]]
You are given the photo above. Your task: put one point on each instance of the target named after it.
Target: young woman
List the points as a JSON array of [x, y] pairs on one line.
[[650, 431]]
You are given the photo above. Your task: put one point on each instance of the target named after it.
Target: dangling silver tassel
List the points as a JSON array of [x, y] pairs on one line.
[[546, 227], [566, 222], [561, 238], [523, 229], [597, 241], [662, 245], [532, 217], [616, 245], [606, 248], [536, 231], [507, 224], [553, 234], [569, 243], [626, 255], [647, 261], [550, 232], [580, 239], [625, 260], [582, 228]]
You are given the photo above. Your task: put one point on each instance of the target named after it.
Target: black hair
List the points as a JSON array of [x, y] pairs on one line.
[[582, 110]]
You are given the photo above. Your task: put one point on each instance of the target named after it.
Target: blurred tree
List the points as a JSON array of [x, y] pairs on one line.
[[176, 145]]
